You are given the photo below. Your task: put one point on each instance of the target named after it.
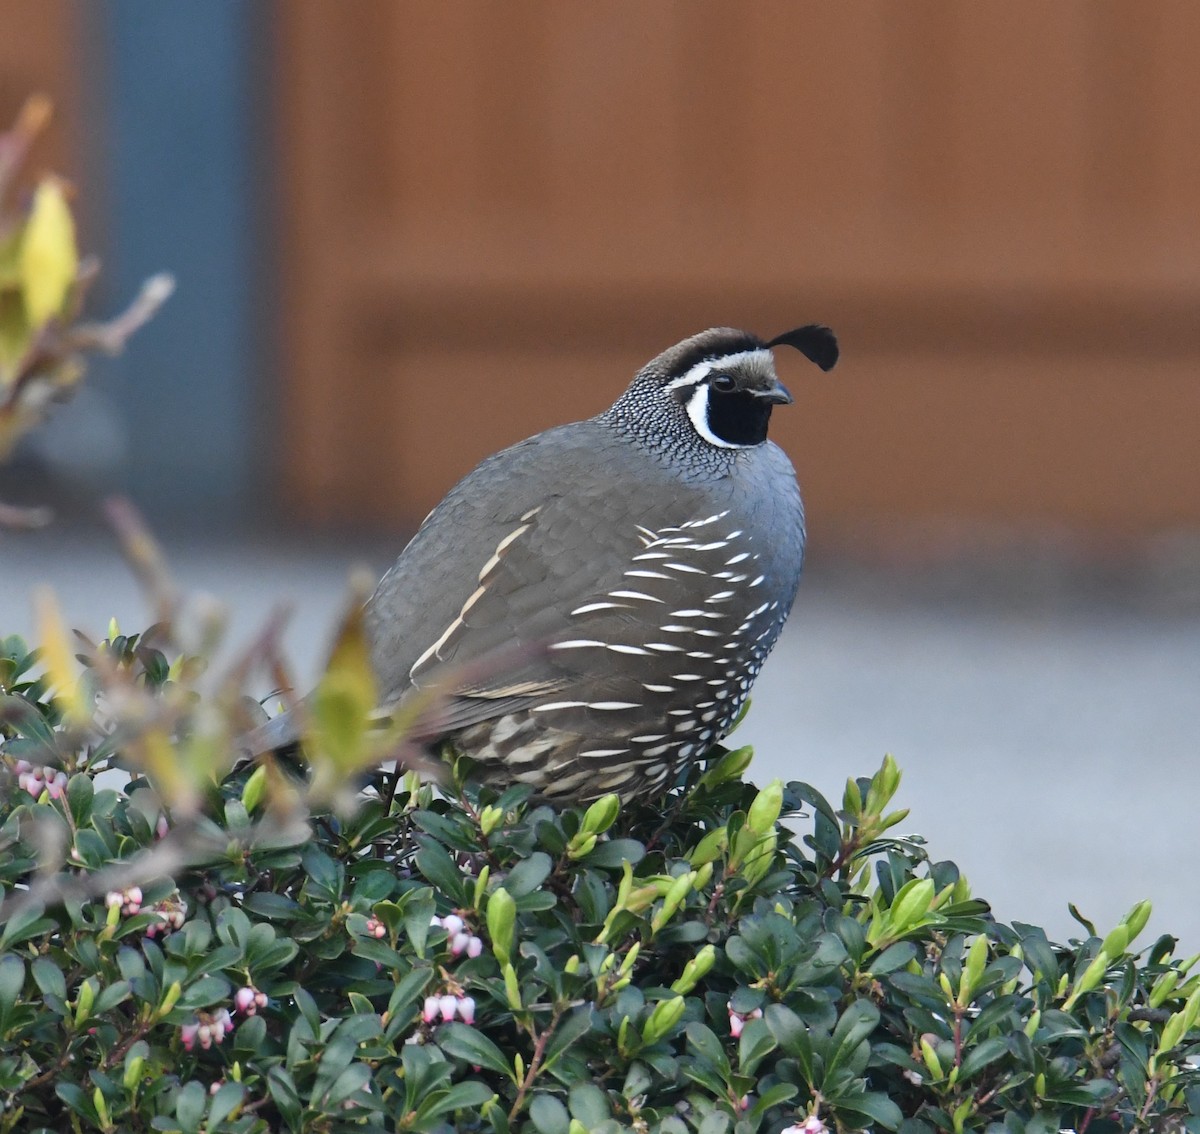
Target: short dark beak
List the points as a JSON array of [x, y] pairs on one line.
[[776, 393]]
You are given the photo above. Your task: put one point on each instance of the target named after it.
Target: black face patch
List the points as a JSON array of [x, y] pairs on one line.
[[737, 417]]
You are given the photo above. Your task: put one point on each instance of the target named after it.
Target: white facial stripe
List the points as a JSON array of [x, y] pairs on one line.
[[697, 410], [703, 369]]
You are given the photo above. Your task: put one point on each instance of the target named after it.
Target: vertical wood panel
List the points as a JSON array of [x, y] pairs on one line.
[[508, 204], [38, 56]]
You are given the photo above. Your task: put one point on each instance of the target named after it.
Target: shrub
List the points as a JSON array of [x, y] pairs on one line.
[[200, 946], [206, 949]]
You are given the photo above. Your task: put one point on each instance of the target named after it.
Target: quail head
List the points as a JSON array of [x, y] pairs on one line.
[[650, 553]]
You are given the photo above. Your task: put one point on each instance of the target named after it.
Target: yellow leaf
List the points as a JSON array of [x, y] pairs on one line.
[[56, 654], [49, 259], [341, 706]]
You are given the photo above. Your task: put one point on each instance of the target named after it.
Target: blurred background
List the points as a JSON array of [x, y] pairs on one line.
[[406, 234]]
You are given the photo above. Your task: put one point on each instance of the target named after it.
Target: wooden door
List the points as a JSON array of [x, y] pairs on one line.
[[492, 213]]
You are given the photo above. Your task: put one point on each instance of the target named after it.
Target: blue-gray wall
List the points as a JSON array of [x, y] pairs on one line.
[[178, 141]]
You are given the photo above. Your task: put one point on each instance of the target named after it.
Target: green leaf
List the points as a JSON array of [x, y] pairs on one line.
[[894, 957], [27, 922], [283, 1093], [473, 1047], [203, 992], [773, 1096], [548, 1115], [875, 1105], [616, 852], [755, 1044], [190, 1105], [229, 1096], [441, 871], [352, 1080], [978, 1057], [80, 793], [589, 1104], [571, 1028], [49, 978], [793, 1036], [703, 1043], [462, 1096], [418, 906], [12, 980], [114, 994], [527, 876], [855, 1024]]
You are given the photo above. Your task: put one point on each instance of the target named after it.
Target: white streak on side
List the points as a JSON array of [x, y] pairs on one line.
[[706, 521], [589, 607], [501, 547]]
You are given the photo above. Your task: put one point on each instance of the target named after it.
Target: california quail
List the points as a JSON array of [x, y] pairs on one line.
[[653, 551]]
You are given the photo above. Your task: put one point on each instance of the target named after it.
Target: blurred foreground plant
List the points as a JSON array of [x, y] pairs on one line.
[[223, 948], [43, 284]]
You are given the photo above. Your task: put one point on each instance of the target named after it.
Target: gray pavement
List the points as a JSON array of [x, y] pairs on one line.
[[1050, 747]]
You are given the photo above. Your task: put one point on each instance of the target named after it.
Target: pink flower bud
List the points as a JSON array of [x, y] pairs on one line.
[[466, 1009], [736, 1023], [222, 1024], [449, 1007], [811, 1125], [430, 1012], [187, 1034], [22, 766], [31, 783], [112, 898], [161, 827], [453, 924], [244, 1001], [57, 787], [459, 943], [474, 946]]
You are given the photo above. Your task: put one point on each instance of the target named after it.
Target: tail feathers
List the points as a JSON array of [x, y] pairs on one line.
[[282, 731]]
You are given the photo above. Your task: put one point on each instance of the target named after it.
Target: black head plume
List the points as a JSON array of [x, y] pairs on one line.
[[817, 343]]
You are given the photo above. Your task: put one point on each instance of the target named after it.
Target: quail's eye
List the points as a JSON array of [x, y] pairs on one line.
[[723, 384]]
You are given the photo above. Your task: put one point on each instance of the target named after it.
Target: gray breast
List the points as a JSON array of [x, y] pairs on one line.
[[650, 601]]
